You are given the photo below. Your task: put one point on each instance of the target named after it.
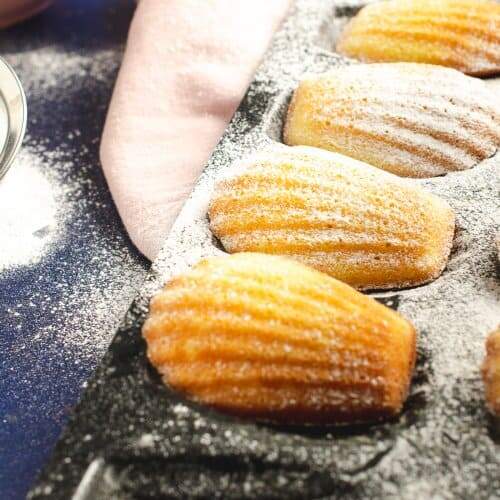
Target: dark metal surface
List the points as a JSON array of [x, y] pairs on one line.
[[131, 437], [59, 309]]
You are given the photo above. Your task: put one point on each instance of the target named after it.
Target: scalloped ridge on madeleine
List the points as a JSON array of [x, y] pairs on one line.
[[414, 120], [366, 227], [491, 372], [264, 336], [462, 34]]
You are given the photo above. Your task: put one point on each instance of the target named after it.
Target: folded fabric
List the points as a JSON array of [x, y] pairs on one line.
[[187, 66]]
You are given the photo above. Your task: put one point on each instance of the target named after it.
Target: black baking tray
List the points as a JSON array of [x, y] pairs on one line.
[[131, 437]]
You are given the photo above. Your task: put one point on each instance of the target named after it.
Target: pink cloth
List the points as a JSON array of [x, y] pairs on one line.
[[187, 66]]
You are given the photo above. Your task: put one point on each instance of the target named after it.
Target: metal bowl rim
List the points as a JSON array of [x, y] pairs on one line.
[[15, 131]]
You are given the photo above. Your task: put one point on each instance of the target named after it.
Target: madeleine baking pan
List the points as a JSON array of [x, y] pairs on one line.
[[131, 437]]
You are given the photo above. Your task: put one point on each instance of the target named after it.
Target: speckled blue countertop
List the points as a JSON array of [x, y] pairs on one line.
[[67, 268]]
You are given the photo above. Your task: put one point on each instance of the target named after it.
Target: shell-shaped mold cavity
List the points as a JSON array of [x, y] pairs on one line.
[[461, 34], [266, 337], [491, 372], [414, 120], [366, 227]]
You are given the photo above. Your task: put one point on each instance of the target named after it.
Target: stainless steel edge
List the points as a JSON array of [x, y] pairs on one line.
[[12, 94]]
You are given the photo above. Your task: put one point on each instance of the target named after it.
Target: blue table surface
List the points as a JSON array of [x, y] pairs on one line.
[[59, 309]]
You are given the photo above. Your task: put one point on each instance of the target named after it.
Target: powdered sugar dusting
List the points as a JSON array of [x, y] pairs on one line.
[[48, 198], [49, 66], [40, 210], [68, 271], [27, 213]]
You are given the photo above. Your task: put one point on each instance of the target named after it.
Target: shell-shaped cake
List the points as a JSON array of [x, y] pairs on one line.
[[414, 120], [462, 34], [491, 372], [265, 337], [366, 227]]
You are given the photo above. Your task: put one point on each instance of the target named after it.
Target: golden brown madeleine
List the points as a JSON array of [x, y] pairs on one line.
[[462, 34], [414, 120], [263, 336], [366, 227], [491, 372]]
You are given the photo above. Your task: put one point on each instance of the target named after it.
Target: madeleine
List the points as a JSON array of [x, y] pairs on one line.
[[353, 221], [462, 34], [413, 120], [265, 337]]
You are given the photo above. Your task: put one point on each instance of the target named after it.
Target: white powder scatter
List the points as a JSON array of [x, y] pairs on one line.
[[27, 214], [53, 212], [48, 67], [27, 205], [41, 210]]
